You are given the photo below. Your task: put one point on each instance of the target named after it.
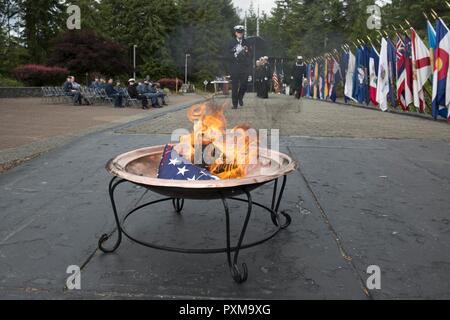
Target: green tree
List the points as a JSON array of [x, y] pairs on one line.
[[203, 30], [41, 20], [145, 23]]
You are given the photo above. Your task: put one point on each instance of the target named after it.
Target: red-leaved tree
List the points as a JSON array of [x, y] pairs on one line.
[[40, 75], [84, 51]]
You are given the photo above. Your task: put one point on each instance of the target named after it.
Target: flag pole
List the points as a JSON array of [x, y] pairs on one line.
[[434, 12]]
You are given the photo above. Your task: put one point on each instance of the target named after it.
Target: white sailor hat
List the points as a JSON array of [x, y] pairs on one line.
[[239, 28], [299, 57], [131, 80]]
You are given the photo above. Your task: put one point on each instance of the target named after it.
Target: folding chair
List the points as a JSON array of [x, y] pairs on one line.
[[128, 100]]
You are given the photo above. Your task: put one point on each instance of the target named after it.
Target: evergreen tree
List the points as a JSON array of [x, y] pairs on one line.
[[145, 23], [41, 20], [203, 30]]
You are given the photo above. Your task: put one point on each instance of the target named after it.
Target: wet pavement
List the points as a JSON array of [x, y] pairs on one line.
[[354, 201]]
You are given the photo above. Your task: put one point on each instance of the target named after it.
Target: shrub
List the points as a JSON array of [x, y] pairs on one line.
[[8, 82], [170, 83], [40, 75]]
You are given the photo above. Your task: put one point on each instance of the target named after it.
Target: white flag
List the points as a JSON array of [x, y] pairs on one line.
[[383, 77], [348, 90], [421, 69]]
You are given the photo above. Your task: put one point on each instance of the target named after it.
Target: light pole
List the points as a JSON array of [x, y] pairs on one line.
[[186, 69], [134, 61]]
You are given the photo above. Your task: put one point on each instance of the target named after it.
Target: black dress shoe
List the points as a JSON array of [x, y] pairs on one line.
[[235, 107], [241, 103]]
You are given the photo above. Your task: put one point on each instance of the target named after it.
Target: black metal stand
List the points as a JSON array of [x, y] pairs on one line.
[[178, 204]]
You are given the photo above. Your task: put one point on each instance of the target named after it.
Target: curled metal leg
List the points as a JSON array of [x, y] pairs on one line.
[[112, 187], [238, 275], [178, 205], [276, 201]]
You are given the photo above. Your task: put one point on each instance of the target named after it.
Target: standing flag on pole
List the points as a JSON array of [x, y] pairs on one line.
[[383, 76], [441, 77], [316, 79], [348, 91], [431, 40], [374, 61], [392, 61], [325, 78], [344, 68], [321, 80], [365, 89], [275, 80], [409, 72], [358, 88], [356, 75], [335, 78], [308, 82], [421, 69], [401, 74]]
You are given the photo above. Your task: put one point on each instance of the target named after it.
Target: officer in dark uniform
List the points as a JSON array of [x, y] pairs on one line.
[[266, 77], [298, 74], [240, 65], [258, 76]]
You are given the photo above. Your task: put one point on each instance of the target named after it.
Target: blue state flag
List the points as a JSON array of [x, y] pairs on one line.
[[441, 87], [392, 63]]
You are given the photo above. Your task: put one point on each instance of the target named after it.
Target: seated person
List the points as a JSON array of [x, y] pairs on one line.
[[145, 89], [95, 84], [70, 90], [114, 94], [134, 94], [154, 88], [102, 83]]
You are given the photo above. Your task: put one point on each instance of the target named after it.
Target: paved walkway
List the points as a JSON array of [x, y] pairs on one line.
[[355, 202], [29, 126]]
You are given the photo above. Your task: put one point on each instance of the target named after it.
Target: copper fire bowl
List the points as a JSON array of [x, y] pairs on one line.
[[141, 167]]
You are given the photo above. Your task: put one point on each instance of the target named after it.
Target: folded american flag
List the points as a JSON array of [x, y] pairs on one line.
[[175, 167]]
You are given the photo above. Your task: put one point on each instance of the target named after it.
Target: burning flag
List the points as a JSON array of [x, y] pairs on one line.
[[225, 153], [175, 167]]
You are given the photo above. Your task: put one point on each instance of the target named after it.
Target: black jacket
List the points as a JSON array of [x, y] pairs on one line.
[[239, 62], [267, 72], [110, 91], [299, 72], [67, 87], [133, 92]]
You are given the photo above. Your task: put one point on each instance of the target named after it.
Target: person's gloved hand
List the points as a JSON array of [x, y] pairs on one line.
[[292, 77], [250, 79]]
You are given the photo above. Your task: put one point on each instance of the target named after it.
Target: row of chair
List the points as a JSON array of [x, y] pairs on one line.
[[93, 96]]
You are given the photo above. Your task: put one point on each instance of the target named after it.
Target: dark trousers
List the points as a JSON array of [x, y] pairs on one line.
[[298, 87], [77, 97], [258, 87], [239, 82], [265, 87], [144, 100], [118, 100]]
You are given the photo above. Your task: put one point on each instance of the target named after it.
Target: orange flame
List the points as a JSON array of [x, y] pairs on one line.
[[232, 152]]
